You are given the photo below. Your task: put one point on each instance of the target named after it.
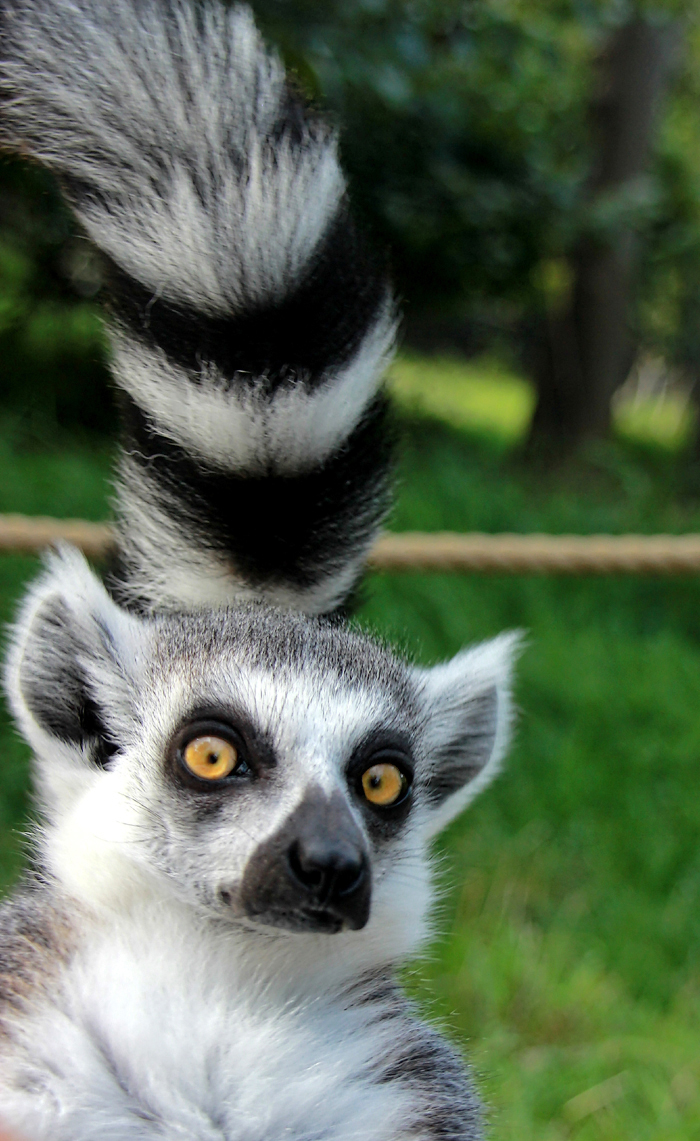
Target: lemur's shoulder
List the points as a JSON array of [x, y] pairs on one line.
[[423, 1060], [37, 938]]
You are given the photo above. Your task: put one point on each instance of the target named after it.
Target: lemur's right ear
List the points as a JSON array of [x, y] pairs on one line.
[[468, 713], [72, 668]]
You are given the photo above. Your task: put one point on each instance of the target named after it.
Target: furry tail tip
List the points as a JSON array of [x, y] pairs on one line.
[[250, 323]]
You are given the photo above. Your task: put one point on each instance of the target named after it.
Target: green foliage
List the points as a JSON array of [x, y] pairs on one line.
[[52, 350], [463, 129], [498, 401], [669, 287], [480, 394]]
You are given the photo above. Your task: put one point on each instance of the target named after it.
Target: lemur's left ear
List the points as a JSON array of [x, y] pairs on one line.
[[71, 675], [468, 712]]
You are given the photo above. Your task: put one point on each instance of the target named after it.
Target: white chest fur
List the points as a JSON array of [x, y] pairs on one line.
[[158, 1030]]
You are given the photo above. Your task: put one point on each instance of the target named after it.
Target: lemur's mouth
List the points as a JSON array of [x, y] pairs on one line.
[[304, 921], [322, 921], [309, 919]]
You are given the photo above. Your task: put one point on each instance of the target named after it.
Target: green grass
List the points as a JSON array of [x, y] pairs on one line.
[[571, 960], [668, 421], [483, 395]]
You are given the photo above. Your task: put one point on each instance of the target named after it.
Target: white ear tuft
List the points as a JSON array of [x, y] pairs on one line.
[[71, 666], [468, 710]]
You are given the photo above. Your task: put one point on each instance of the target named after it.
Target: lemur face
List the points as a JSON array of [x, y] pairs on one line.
[[285, 772], [272, 769]]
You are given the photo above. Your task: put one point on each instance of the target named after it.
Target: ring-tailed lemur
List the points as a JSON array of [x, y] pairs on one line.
[[236, 793]]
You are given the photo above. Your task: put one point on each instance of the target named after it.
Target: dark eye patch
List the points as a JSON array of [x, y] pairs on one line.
[[254, 753], [381, 747]]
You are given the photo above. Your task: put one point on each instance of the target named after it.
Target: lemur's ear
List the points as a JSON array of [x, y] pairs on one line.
[[72, 669], [468, 715]]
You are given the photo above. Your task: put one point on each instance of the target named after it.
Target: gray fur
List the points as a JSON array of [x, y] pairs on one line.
[[156, 875], [36, 941]]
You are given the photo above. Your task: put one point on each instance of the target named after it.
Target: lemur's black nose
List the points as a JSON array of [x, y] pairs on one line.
[[314, 873], [330, 872]]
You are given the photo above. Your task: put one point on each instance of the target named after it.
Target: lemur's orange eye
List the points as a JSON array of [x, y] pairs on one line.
[[384, 784], [210, 758]]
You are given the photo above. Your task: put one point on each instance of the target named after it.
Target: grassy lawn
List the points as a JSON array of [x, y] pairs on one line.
[[571, 962], [485, 396]]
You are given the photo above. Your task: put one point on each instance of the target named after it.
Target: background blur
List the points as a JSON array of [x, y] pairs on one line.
[[533, 169]]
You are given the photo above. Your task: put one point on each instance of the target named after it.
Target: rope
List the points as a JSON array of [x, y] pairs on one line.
[[30, 535], [442, 551], [539, 554]]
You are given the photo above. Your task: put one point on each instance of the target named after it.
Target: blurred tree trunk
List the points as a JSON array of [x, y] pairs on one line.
[[584, 349]]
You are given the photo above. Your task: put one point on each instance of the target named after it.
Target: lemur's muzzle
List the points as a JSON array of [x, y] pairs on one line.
[[313, 874]]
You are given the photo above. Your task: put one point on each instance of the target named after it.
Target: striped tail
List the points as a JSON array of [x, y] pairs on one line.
[[250, 324]]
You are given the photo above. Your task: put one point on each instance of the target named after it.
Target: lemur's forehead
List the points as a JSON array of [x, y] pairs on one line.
[[256, 639], [306, 714], [301, 682]]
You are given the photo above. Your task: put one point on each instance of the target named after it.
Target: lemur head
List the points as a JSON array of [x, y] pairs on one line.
[[275, 770]]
